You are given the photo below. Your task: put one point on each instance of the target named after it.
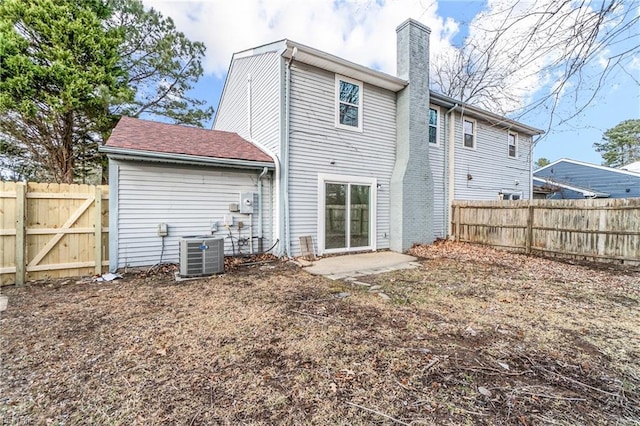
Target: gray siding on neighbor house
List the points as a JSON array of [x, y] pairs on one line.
[[233, 111], [489, 166], [315, 142], [187, 199], [613, 182]]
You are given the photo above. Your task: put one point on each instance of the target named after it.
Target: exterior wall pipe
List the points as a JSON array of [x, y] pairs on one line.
[[531, 146], [285, 156], [451, 165], [249, 107], [260, 198], [277, 225], [449, 146]]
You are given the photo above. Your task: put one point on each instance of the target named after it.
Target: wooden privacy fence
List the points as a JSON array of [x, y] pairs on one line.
[[52, 230], [600, 229]]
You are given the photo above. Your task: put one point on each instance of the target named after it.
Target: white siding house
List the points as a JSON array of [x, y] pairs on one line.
[[314, 150], [352, 157]]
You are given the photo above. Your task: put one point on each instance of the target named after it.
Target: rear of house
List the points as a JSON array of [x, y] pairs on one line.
[[355, 159], [338, 130]]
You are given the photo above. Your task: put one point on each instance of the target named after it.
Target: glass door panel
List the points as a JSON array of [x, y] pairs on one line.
[[335, 215], [359, 202]]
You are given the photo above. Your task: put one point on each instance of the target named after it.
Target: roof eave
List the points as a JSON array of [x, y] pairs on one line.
[[163, 157], [482, 114], [585, 164], [320, 59]]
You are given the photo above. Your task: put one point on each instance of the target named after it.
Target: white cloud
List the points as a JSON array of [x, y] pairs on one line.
[[361, 31]]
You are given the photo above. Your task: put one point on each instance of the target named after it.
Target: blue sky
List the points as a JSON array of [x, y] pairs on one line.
[[363, 31]]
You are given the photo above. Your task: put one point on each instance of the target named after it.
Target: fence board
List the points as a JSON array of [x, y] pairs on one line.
[[63, 231], [599, 229]]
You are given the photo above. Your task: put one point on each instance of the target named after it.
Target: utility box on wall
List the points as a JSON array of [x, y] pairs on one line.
[[246, 202]]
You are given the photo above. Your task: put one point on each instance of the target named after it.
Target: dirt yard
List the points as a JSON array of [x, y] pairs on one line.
[[475, 336]]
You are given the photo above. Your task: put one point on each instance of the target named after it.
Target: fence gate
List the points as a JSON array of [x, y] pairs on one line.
[[52, 230]]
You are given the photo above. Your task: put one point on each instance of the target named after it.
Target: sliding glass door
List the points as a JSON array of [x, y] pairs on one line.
[[347, 216]]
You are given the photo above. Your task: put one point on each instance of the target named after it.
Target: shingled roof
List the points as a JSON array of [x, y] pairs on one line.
[[150, 136]]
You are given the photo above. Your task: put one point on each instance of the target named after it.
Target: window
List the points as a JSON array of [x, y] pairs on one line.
[[469, 133], [348, 104], [510, 195], [513, 144], [433, 126]]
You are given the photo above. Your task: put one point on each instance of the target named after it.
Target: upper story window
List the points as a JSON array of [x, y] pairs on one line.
[[512, 139], [433, 126], [348, 103], [469, 133]]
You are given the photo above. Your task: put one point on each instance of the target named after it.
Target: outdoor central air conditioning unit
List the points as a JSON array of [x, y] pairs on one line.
[[200, 256]]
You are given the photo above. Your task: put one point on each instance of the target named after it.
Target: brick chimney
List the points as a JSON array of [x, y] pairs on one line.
[[412, 181]]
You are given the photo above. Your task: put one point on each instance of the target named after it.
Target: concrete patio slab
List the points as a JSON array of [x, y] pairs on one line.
[[358, 265]]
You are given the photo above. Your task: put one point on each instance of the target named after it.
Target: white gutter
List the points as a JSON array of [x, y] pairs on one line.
[[140, 155]]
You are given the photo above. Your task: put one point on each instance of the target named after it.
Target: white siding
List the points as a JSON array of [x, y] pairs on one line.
[[315, 142], [233, 110], [188, 199], [490, 167]]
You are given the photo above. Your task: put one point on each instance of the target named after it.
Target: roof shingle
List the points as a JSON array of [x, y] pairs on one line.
[[145, 135]]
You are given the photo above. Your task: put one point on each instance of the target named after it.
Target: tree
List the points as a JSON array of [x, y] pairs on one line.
[[541, 162], [59, 65], [621, 144], [162, 65], [523, 57], [70, 69]]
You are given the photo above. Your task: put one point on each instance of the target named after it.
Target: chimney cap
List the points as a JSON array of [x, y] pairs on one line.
[[414, 23]]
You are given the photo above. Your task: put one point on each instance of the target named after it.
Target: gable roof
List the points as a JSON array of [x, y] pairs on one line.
[[585, 164], [144, 138]]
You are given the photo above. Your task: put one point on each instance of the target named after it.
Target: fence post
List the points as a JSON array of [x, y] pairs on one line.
[[458, 224], [529, 236], [97, 204], [21, 209]]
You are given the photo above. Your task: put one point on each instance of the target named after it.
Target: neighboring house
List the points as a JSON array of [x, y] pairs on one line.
[[362, 160], [573, 179]]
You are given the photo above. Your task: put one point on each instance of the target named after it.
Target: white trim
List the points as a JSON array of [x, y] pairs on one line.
[[323, 179], [475, 133], [438, 126], [515, 141], [337, 103], [582, 163]]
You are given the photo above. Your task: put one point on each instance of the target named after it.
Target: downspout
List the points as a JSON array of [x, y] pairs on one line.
[[260, 177], [450, 167], [285, 154], [533, 144]]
